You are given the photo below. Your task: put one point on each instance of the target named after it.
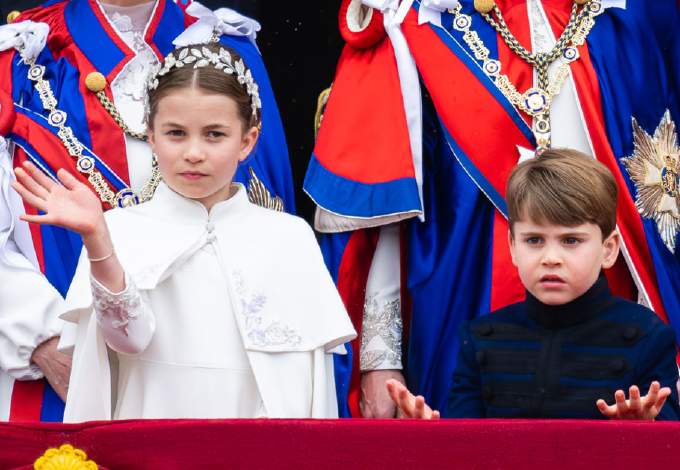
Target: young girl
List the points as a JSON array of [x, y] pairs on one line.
[[205, 305]]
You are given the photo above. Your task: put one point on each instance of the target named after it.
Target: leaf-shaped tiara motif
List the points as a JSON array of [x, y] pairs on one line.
[[221, 60]]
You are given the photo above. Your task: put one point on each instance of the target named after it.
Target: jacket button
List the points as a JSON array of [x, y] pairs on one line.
[[210, 237], [485, 329], [487, 393], [618, 365], [480, 357], [629, 333]]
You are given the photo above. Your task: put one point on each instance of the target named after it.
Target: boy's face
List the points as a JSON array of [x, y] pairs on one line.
[[558, 264]]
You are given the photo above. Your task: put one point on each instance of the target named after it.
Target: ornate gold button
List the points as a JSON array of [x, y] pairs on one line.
[[13, 16], [95, 82], [484, 6]]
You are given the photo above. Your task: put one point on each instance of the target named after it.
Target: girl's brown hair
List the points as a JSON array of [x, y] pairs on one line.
[[563, 187], [208, 79]]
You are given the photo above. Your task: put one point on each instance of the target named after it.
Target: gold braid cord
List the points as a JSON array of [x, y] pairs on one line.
[[64, 458], [536, 100], [96, 82], [111, 108]]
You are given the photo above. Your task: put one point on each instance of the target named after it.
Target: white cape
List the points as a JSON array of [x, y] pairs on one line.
[[285, 300]]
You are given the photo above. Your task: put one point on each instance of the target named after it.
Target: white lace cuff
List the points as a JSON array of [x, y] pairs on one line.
[[115, 310], [381, 335], [35, 372]]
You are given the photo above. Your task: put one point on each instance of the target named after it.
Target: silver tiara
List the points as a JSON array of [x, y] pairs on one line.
[[222, 61]]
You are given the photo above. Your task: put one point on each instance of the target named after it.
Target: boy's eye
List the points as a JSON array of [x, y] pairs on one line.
[[571, 241], [533, 240]]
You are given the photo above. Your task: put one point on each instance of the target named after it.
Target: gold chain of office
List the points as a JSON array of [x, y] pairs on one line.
[[85, 164], [536, 100]]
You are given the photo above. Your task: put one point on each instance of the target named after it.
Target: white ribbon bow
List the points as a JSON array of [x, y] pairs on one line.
[[222, 21], [29, 35], [614, 4], [430, 10]]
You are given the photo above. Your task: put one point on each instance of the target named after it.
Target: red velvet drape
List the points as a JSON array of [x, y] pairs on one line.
[[351, 444]]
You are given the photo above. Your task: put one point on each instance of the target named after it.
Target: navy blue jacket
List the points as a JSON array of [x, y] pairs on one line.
[[531, 360]]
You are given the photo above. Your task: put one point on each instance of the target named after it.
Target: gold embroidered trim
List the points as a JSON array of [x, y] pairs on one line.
[[258, 194]]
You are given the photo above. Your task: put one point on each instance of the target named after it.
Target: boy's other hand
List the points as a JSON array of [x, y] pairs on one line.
[[375, 401], [636, 408], [410, 405]]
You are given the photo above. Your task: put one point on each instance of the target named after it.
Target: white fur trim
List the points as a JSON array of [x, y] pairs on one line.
[[358, 17]]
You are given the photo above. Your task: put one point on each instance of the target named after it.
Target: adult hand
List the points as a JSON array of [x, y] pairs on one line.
[[55, 365], [375, 401], [636, 408], [72, 206], [410, 405]]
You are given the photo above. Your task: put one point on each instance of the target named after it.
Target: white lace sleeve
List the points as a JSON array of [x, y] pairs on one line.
[[382, 325], [125, 317]]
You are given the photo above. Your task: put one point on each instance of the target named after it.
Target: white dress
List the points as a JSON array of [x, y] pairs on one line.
[[227, 314]]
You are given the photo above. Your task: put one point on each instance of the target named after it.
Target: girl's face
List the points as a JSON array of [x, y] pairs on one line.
[[199, 140]]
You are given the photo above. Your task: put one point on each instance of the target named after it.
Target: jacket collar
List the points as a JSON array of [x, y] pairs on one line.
[[173, 207], [590, 304], [108, 53]]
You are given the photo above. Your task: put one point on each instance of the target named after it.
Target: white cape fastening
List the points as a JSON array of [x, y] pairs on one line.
[[28, 36], [222, 21]]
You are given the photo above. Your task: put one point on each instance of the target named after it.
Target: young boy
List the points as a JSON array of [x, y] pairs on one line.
[[571, 347]]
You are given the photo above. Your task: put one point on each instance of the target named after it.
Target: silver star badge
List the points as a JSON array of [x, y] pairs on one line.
[[654, 168]]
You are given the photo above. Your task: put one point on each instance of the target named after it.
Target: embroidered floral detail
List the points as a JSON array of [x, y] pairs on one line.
[[385, 322], [129, 86], [116, 309], [250, 305], [123, 23]]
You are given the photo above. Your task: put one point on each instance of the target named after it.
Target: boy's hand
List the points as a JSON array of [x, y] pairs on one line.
[[411, 406], [637, 408]]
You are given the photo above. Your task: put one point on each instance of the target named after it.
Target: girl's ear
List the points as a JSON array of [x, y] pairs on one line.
[[249, 141], [152, 139], [611, 249]]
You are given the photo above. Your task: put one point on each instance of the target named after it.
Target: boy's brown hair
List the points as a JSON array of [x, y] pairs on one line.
[[563, 187]]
